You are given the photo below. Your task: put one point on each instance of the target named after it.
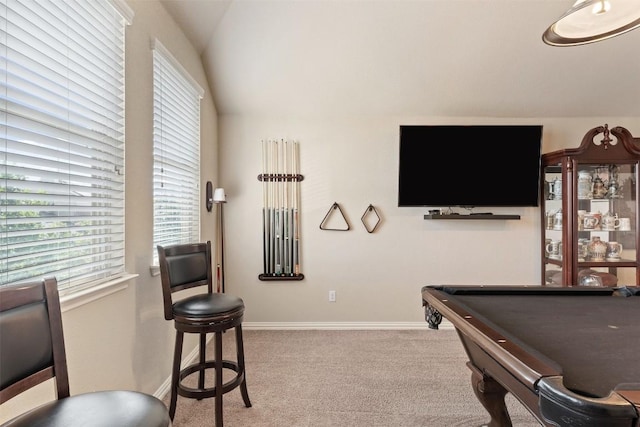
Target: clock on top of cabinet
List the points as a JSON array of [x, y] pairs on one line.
[[589, 211]]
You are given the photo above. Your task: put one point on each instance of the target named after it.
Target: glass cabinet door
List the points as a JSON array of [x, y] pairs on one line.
[[605, 235], [553, 225]]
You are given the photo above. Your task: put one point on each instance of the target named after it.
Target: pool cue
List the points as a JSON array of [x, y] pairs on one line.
[[289, 241], [276, 208], [292, 192], [272, 218], [296, 204], [285, 209], [264, 208], [283, 204]]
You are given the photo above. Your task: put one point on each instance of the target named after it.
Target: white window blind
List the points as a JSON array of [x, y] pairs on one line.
[[176, 152], [62, 130]]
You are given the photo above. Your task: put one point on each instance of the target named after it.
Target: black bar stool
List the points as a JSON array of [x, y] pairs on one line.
[[188, 266], [33, 352]]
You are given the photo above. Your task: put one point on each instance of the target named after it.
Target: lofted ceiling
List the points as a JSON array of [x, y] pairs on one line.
[[474, 58]]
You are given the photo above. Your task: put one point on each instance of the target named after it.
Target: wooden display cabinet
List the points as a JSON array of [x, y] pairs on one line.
[[591, 193]]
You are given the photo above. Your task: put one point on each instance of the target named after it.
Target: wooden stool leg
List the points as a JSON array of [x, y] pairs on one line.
[[175, 374], [203, 359], [240, 356], [219, 392]]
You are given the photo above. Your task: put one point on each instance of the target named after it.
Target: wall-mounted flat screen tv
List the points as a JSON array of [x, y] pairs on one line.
[[469, 166]]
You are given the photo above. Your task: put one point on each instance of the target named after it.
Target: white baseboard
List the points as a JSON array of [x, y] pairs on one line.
[[340, 325]]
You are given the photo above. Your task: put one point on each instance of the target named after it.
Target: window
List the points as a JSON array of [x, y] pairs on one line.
[[62, 130], [176, 152]]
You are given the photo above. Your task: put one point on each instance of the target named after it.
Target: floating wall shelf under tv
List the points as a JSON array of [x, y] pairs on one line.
[[471, 216]]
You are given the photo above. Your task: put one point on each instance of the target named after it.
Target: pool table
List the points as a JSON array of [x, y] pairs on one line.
[[571, 355]]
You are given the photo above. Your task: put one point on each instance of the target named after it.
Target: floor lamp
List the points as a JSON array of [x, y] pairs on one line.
[[219, 198]]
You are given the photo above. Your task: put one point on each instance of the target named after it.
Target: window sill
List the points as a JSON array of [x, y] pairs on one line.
[[154, 270], [74, 299]]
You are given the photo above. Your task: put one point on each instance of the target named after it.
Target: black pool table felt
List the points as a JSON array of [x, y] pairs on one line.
[[594, 340]]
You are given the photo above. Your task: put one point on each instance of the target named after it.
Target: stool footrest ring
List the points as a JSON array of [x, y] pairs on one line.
[[201, 393]]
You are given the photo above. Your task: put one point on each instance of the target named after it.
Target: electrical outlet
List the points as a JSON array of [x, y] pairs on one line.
[[332, 296]]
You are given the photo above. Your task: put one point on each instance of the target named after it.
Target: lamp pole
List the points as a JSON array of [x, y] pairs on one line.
[[219, 198]]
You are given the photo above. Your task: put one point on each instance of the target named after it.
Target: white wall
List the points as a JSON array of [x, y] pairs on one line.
[[378, 276], [121, 341]]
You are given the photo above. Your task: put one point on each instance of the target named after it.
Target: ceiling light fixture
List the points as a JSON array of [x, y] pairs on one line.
[[590, 21]]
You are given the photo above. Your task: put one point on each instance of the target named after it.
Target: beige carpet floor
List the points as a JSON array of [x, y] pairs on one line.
[[319, 378]]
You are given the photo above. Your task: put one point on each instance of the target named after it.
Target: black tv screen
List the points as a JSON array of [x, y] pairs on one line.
[[469, 166]]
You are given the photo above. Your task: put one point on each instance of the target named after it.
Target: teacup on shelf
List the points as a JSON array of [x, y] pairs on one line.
[[610, 222], [625, 224], [554, 249], [590, 221], [614, 251]]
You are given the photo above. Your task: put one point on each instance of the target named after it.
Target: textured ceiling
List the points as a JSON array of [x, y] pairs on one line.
[[474, 58]]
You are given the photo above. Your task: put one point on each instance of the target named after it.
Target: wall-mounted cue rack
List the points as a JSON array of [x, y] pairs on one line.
[[280, 179]]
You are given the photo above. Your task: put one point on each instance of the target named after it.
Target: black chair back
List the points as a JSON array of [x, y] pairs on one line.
[[31, 339], [184, 266]]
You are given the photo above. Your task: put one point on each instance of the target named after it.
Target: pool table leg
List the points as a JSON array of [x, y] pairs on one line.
[[491, 394]]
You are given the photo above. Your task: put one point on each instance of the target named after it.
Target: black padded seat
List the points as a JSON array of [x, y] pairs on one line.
[[188, 266], [97, 409], [207, 304], [32, 351]]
